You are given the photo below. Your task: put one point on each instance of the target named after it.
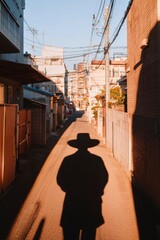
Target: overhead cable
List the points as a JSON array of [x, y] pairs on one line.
[[110, 9], [119, 26]]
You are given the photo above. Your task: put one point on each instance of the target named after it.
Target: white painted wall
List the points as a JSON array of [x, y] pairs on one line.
[[118, 138], [52, 65]]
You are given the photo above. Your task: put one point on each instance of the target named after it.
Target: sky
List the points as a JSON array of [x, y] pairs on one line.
[[68, 24]]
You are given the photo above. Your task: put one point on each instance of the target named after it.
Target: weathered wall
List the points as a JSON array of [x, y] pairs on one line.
[[118, 138]]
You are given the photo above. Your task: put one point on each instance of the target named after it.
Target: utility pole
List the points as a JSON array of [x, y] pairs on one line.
[[107, 83], [89, 109]]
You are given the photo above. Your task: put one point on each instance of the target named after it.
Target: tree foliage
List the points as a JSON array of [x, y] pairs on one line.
[[117, 97]]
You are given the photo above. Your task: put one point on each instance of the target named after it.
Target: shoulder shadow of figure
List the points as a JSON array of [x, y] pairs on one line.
[[82, 176]]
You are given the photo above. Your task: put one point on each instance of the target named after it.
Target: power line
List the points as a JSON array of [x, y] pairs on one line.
[[95, 22], [99, 46], [120, 25], [100, 11], [66, 49], [117, 30], [111, 5]]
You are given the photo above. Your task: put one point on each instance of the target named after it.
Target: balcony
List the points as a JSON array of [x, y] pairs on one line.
[[9, 31]]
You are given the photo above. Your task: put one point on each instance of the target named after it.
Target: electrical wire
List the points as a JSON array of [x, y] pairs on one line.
[[99, 46], [110, 10], [117, 31], [100, 11], [95, 23], [119, 25]]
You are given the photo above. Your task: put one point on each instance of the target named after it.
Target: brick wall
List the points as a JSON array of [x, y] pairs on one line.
[[144, 95]]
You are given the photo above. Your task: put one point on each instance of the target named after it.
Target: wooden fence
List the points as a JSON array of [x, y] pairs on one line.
[[8, 124], [31, 128], [18, 130], [24, 131]]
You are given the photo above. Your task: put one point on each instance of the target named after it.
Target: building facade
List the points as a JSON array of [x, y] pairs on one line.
[[15, 121], [81, 85], [11, 30], [11, 47], [52, 65], [72, 86], [117, 69], [96, 79], [15, 68]]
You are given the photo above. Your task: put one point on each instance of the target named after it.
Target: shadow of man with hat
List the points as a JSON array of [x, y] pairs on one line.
[[82, 176]]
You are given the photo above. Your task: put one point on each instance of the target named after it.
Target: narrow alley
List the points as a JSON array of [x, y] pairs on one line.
[[79, 120], [39, 217]]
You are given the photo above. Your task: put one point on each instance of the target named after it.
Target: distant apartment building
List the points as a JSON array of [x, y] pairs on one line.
[[72, 86], [51, 63], [117, 70], [96, 80], [97, 75], [85, 83], [81, 85]]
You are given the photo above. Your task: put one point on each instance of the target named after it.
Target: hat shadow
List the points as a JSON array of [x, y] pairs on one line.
[[83, 141]]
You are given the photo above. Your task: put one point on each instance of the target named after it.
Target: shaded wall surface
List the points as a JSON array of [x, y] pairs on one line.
[[144, 96]]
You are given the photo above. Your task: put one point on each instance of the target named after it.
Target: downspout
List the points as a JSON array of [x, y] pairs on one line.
[[3, 144]]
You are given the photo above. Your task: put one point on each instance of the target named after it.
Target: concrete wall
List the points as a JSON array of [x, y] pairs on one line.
[[118, 138]]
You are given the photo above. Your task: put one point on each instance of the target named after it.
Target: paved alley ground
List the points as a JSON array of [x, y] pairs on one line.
[[39, 217]]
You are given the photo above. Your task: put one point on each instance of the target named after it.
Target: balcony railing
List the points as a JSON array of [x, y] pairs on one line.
[[9, 31]]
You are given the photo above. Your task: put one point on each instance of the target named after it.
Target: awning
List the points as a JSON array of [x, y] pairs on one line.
[[30, 103], [13, 73]]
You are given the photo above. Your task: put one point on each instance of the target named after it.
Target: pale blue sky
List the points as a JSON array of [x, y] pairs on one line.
[[68, 24]]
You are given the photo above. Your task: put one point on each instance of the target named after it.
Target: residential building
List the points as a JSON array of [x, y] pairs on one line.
[[72, 86], [117, 69], [96, 79], [34, 96], [97, 75], [11, 29], [51, 63], [81, 85], [11, 36], [12, 56], [15, 121], [85, 83]]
